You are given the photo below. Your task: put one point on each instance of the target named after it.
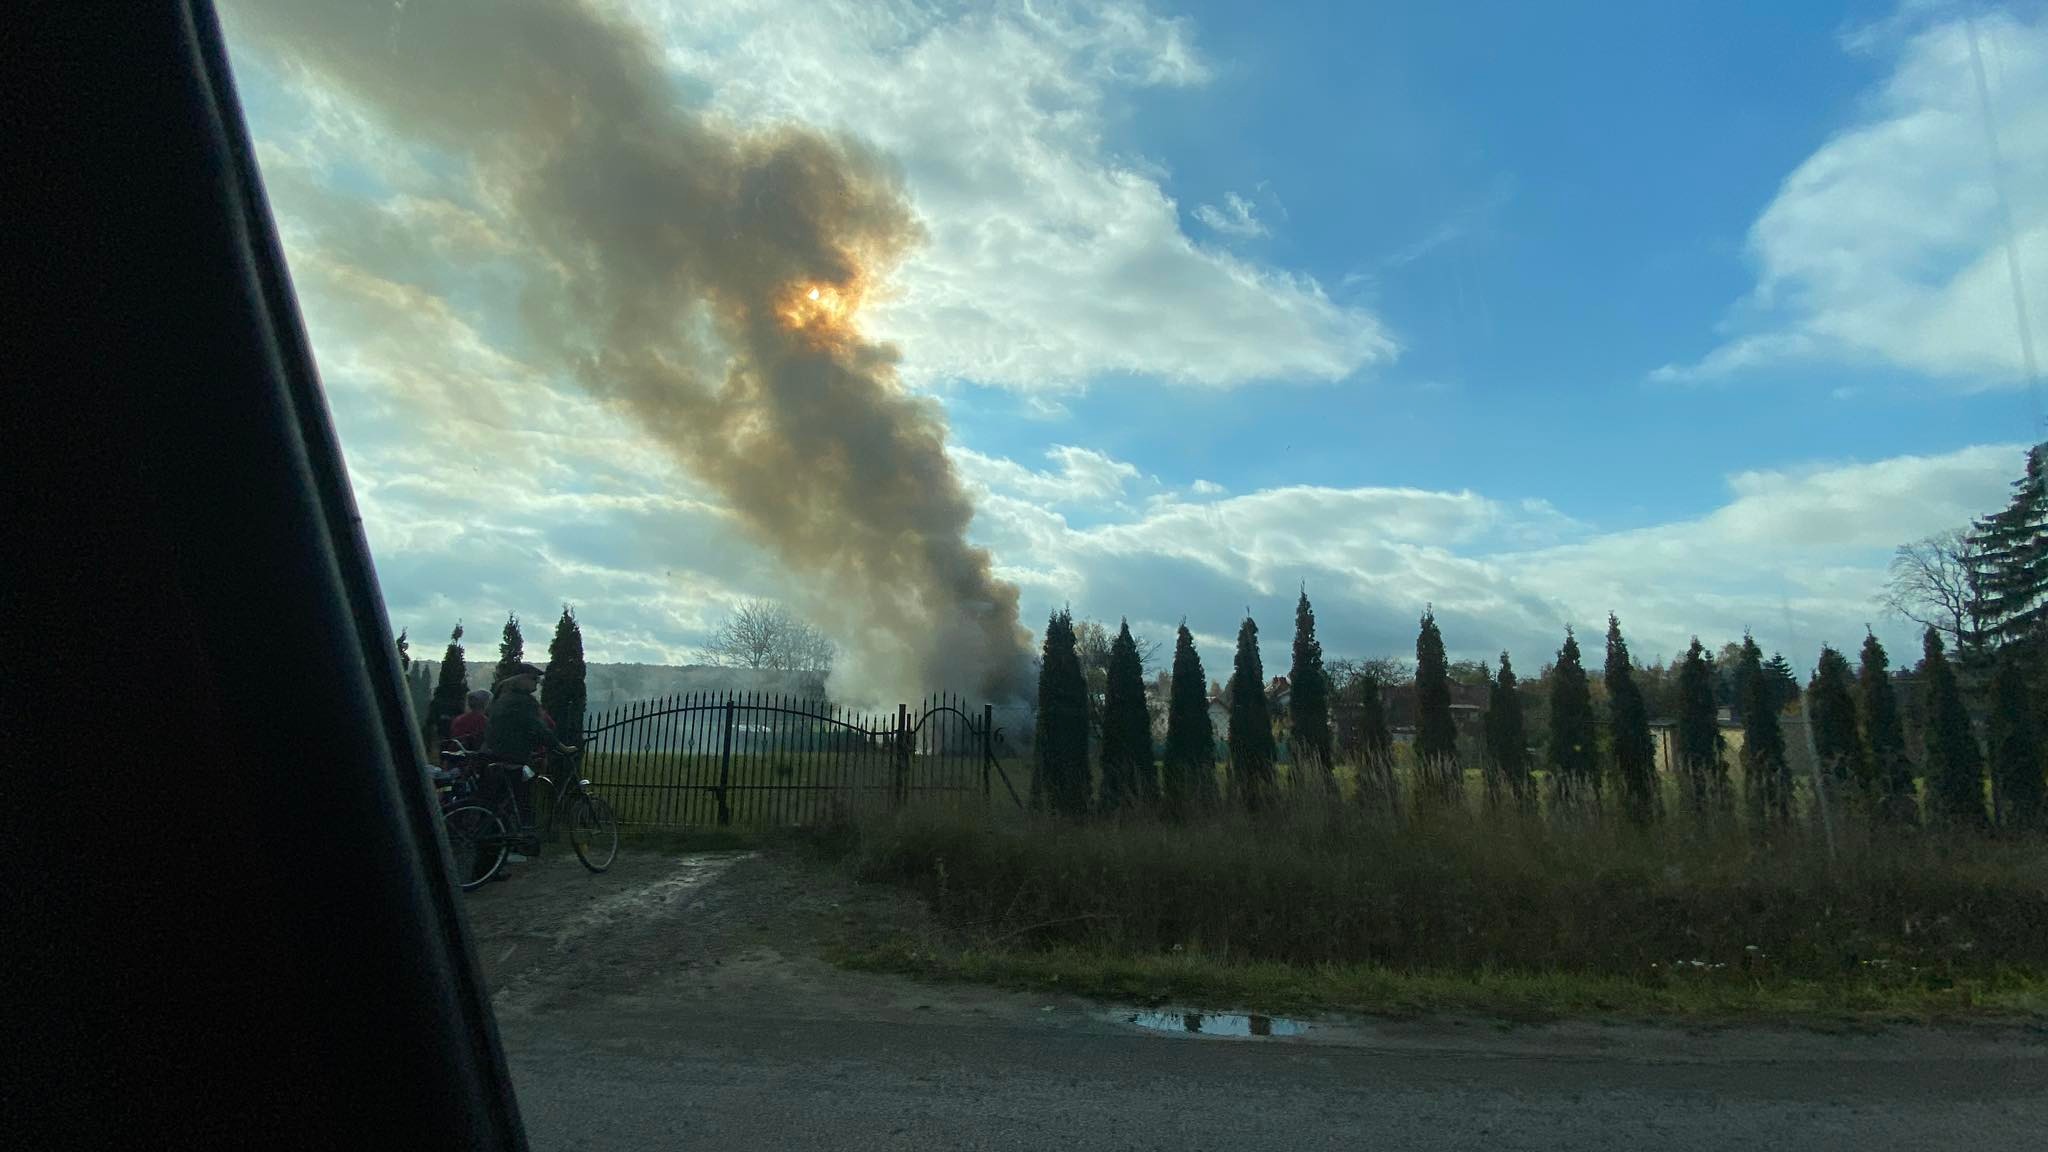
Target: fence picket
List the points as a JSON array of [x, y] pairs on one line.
[[693, 759], [665, 758], [785, 796]]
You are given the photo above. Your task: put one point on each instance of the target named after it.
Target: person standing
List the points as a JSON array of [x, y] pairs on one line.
[[469, 729]]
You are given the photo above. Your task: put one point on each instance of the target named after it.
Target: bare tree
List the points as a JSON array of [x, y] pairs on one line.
[[1091, 643], [1343, 670], [1930, 582], [764, 634], [1092, 639]]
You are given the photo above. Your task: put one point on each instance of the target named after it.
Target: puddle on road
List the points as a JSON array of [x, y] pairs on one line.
[[1216, 1023]]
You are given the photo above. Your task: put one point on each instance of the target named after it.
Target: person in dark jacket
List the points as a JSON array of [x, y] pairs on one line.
[[520, 732]]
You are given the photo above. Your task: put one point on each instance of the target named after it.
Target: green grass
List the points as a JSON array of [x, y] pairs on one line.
[[1508, 995]]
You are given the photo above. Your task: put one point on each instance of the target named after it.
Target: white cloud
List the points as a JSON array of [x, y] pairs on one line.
[[1236, 218], [1797, 555], [1050, 258], [1812, 543], [1886, 246], [1084, 476]]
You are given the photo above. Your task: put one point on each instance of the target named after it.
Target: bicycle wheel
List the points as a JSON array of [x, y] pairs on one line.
[[594, 832], [476, 843]]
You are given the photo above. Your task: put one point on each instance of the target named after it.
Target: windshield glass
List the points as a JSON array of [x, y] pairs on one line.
[[1221, 508]]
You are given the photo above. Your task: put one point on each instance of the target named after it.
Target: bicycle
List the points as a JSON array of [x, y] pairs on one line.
[[481, 835]]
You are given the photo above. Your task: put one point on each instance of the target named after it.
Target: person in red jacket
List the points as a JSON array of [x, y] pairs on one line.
[[473, 726]]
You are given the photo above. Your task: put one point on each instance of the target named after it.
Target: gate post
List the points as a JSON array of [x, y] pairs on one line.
[[725, 768], [902, 753]]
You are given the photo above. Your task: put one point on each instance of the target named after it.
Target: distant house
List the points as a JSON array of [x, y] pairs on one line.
[[1798, 755], [1468, 708]]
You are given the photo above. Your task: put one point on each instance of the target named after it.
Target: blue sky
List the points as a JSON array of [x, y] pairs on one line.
[[1540, 240], [1686, 311]]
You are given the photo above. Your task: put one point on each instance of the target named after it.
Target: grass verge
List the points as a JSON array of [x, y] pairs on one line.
[[1523, 997], [1452, 909]]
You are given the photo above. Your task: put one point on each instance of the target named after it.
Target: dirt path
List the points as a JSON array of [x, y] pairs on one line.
[[682, 1001], [716, 931]]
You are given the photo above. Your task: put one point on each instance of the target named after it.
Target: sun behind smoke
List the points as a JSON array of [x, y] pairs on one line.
[[824, 311]]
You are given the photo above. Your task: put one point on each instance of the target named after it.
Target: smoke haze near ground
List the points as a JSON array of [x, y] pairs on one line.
[[707, 279]]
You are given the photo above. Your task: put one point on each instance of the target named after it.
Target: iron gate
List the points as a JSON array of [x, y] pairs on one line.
[[765, 760]]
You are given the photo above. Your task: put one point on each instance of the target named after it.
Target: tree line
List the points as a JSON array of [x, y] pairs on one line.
[[562, 690], [756, 634], [1854, 716]]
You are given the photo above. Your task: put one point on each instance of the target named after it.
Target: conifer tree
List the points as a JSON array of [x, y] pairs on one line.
[[404, 650], [1436, 733], [1190, 762], [419, 691], [511, 650], [1507, 742], [1784, 685], [1251, 725], [562, 690], [1836, 739], [1955, 766], [1574, 751], [2010, 572], [1635, 757], [1884, 735], [1126, 730], [1061, 777], [1375, 774], [1766, 778], [1309, 693], [1375, 739], [1699, 732], [2016, 762], [449, 690]]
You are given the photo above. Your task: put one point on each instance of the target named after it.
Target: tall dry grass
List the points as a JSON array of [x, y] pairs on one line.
[[1445, 877]]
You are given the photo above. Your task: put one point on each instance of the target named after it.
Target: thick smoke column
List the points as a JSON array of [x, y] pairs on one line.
[[706, 278]]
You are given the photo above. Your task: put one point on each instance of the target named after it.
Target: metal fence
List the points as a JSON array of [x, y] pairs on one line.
[[765, 760]]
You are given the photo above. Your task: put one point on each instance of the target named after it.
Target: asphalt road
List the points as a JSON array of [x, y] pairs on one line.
[[675, 1004]]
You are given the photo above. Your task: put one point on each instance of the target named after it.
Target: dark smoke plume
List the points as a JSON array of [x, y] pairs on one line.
[[705, 278]]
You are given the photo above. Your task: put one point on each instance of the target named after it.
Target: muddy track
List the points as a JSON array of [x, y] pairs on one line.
[[677, 932]]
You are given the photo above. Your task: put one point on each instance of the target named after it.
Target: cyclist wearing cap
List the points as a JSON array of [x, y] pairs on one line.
[[519, 731]]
